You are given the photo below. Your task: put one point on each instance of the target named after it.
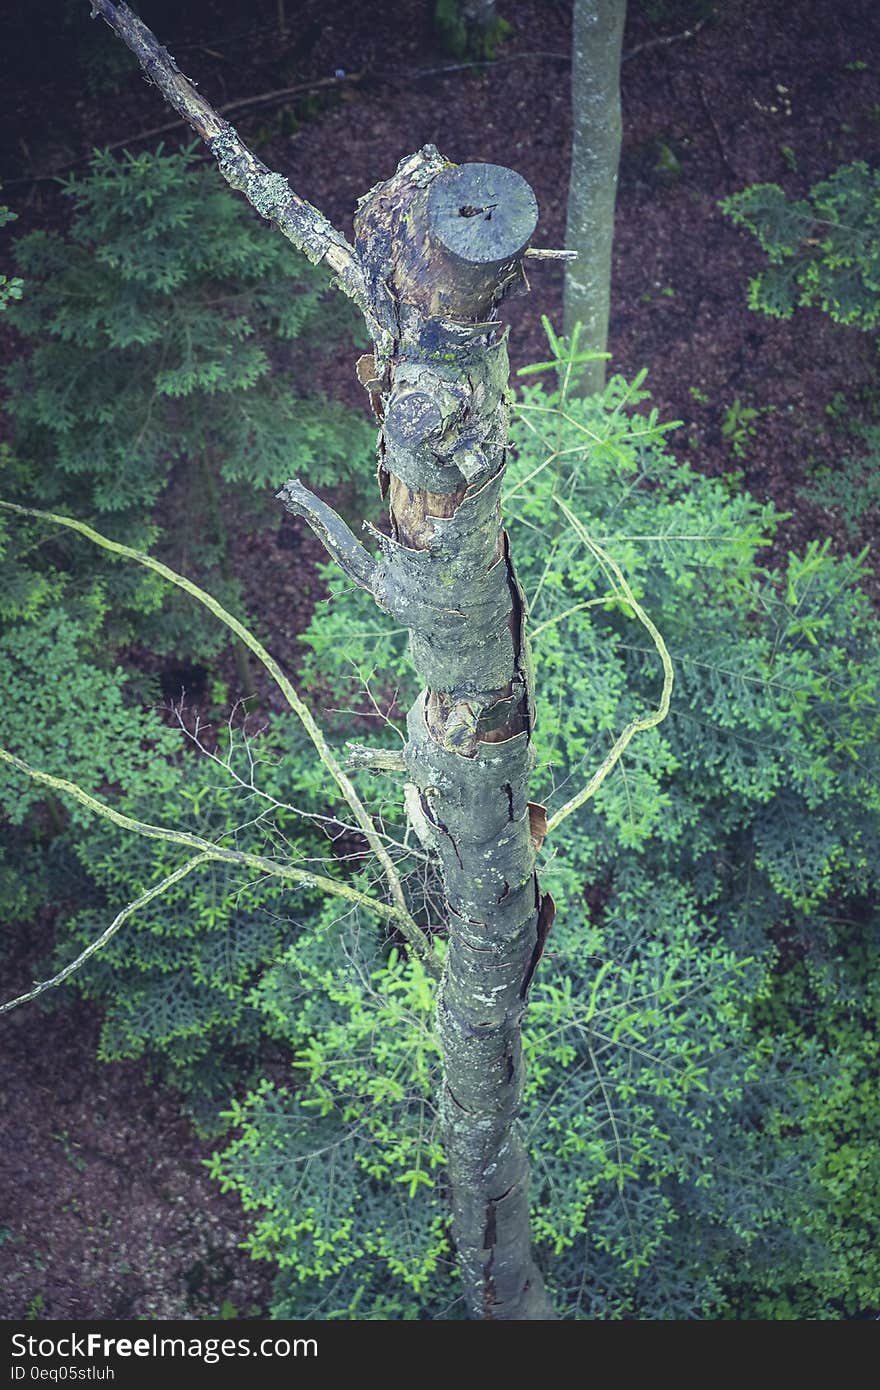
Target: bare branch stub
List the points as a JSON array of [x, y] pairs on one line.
[[335, 536]]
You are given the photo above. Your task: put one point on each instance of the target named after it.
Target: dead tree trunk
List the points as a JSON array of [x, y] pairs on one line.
[[437, 247], [442, 244]]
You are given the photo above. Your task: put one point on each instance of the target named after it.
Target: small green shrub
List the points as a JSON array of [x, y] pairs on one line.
[[850, 489], [823, 250], [464, 30], [739, 426], [168, 383]]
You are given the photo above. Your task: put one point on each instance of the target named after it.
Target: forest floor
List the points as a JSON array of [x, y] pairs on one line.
[[106, 1211]]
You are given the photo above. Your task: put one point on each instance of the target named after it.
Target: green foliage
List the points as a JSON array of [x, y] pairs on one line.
[[789, 156], [667, 163], [701, 1038], [22, 884], [738, 426], [829, 1012], [344, 1168], [459, 26], [166, 294], [175, 983], [68, 716], [168, 329], [823, 250], [674, 1121]]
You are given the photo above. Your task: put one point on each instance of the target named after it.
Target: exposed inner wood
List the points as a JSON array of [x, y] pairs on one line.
[[411, 511]]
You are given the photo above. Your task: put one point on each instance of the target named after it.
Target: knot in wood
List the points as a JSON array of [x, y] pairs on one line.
[[413, 418]]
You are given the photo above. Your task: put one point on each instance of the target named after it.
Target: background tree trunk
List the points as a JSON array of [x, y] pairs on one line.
[[595, 154]]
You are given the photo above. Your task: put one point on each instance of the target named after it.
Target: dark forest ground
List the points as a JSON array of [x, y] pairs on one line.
[[105, 1209]]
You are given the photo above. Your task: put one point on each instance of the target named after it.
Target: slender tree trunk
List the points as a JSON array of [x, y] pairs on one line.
[[595, 155], [443, 244]]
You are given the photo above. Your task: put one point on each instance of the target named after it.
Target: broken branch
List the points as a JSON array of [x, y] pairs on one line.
[[339, 542], [269, 193]]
